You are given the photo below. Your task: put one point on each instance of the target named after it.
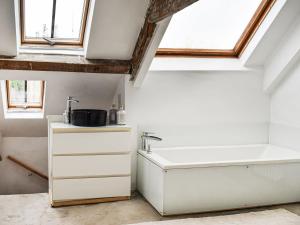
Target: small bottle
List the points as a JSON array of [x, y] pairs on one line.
[[113, 115], [121, 116], [65, 117]]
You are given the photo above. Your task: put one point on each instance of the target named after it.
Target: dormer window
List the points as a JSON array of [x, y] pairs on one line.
[[53, 22], [25, 94]]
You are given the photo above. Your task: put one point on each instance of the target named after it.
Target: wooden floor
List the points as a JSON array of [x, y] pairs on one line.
[[35, 210]]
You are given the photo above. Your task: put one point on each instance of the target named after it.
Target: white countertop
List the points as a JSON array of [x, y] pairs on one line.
[[59, 127]]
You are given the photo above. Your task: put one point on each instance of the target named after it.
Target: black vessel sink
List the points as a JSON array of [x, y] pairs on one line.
[[88, 117]]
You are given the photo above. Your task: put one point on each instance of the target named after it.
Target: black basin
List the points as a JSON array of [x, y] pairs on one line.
[[88, 117]]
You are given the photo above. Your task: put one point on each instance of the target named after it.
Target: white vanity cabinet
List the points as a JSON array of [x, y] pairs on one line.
[[88, 164]]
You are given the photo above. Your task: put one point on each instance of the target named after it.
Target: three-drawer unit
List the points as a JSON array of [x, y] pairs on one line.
[[88, 164]]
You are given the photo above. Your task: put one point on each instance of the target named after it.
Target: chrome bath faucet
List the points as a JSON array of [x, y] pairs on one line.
[[146, 137]]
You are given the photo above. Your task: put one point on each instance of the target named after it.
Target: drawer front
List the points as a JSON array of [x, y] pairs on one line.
[[90, 165], [90, 143], [71, 189]]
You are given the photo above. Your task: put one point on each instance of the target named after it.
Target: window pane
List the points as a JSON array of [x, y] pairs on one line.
[[68, 19], [17, 92], [38, 16], [24, 93], [34, 92], [210, 24]]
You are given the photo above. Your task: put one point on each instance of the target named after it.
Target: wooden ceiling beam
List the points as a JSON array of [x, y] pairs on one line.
[[157, 11], [141, 47], [64, 63]]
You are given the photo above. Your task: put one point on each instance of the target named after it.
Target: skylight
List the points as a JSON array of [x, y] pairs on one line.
[[53, 21], [213, 24], [24, 94]]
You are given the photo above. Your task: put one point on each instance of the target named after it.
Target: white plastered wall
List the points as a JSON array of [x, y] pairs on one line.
[[8, 42], [199, 108], [26, 139], [282, 81], [285, 111]]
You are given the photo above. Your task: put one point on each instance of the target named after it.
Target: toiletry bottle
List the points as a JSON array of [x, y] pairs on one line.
[[113, 115], [65, 117], [121, 114]]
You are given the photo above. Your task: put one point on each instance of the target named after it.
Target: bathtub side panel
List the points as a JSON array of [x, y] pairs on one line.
[[150, 182], [223, 188]]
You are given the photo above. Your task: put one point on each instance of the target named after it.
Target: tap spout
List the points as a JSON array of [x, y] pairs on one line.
[[154, 138], [145, 141], [69, 107]]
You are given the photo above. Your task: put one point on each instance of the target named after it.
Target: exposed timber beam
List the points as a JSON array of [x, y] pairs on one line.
[[157, 11], [64, 63], [141, 46], [161, 9]]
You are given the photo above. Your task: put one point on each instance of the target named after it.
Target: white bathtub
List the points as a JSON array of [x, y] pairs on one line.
[[201, 179]]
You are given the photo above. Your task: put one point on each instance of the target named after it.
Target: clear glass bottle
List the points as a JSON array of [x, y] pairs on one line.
[[113, 115], [121, 116]]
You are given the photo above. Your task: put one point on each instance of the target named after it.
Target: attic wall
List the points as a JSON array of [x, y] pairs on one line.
[[8, 42], [119, 97], [282, 80], [285, 111], [92, 90], [26, 139], [199, 108], [284, 56]]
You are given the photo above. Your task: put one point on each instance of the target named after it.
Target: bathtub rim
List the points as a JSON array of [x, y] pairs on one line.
[[167, 165]]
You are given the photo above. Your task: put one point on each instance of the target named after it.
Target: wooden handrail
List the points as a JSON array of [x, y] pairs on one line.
[[24, 165]]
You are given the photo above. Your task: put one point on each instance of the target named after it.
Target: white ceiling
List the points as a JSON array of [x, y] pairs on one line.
[[271, 32], [114, 28], [8, 43]]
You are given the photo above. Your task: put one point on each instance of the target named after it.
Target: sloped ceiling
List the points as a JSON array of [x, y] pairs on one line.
[[271, 32], [114, 28], [8, 43]]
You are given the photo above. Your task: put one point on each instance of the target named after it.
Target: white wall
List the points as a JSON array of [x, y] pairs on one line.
[[199, 108], [119, 97], [93, 91], [8, 42], [282, 80], [184, 108], [285, 111], [283, 58], [26, 139]]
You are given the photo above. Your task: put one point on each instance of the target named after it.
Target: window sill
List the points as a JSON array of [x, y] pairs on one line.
[[24, 114], [78, 51]]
